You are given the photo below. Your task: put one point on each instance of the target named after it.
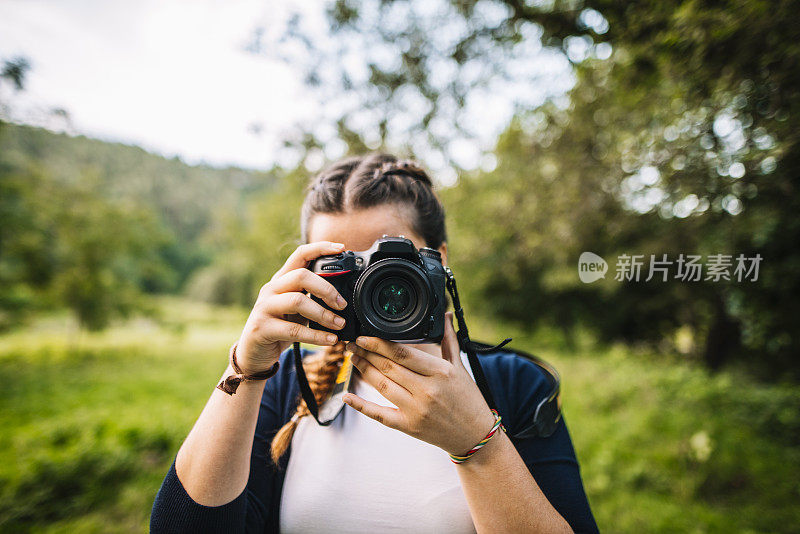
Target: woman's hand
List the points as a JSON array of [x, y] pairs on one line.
[[437, 400], [281, 312]]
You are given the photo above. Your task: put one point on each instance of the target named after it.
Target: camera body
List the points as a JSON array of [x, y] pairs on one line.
[[393, 291]]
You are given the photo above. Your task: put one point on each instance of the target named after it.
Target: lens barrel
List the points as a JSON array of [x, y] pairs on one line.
[[393, 296]]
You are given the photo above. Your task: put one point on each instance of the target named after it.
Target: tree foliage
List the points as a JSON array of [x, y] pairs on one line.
[[679, 135], [93, 226]]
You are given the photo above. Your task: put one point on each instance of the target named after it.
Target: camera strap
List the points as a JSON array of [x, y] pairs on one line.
[[465, 344], [305, 388], [548, 411]]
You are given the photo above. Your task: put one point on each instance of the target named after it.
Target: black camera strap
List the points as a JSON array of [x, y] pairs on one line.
[[305, 388], [548, 411], [465, 344]]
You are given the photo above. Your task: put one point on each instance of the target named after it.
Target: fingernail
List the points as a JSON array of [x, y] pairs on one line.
[[346, 400], [337, 245], [341, 302], [360, 341], [338, 321], [331, 338]]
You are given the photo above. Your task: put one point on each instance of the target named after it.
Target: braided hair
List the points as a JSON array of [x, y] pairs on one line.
[[351, 184]]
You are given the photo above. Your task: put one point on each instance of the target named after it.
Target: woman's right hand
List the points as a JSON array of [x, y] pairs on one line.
[[281, 312]]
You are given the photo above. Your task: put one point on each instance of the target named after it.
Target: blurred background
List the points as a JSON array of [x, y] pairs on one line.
[[153, 157]]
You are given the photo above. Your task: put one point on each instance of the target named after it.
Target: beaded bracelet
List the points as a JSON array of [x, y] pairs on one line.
[[497, 425]]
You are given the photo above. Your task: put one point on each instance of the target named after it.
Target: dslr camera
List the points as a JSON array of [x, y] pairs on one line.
[[393, 291]]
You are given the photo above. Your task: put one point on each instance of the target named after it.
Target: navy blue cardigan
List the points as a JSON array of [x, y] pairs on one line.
[[517, 384]]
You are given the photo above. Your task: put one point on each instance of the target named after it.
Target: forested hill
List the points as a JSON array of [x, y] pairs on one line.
[[81, 217], [185, 195]]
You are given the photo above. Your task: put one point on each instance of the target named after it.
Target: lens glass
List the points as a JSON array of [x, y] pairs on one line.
[[393, 299]]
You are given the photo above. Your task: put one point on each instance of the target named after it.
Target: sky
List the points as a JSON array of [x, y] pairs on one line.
[[172, 76]]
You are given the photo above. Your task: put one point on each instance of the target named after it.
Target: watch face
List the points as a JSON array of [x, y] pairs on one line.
[[334, 404]]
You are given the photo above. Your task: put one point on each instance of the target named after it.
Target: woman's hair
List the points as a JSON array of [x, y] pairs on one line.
[[351, 184]]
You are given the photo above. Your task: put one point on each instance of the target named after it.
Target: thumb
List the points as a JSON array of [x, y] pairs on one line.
[[450, 349]]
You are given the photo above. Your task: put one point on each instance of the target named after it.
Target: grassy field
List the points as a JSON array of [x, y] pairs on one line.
[[91, 423]]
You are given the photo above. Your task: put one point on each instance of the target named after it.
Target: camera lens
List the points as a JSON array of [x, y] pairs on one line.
[[392, 296], [393, 299]]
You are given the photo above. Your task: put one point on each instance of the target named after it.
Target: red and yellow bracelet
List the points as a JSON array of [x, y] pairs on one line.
[[497, 425]]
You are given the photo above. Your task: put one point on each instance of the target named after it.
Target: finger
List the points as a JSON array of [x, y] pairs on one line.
[[305, 253], [450, 349], [304, 280], [409, 357], [385, 415], [387, 387], [281, 330], [297, 303], [403, 376]]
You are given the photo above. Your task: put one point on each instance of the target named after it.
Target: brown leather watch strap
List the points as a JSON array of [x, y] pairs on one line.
[[229, 384]]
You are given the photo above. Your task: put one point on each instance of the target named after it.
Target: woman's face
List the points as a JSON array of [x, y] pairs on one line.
[[359, 229]]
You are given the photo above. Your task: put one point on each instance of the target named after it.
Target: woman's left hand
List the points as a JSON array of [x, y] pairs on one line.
[[437, 400]]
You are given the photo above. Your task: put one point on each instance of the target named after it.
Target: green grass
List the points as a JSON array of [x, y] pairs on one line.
[[91, 423]]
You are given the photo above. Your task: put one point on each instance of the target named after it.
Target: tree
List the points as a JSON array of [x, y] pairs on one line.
[[680, 131], [14, 70]]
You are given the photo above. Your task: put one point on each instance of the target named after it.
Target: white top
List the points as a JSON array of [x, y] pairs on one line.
[[359, 476]]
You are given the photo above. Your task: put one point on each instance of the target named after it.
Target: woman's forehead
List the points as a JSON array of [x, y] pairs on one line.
[[359, 229]]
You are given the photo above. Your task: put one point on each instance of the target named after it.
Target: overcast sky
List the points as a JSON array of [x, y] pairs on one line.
[[169, 75]]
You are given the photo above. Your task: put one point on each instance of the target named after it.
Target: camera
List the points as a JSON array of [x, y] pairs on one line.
[[393, 291]]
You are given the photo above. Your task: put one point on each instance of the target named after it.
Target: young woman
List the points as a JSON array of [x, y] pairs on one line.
[[255, 462]]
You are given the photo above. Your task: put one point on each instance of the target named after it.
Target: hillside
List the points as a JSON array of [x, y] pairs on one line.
[[183, 198]]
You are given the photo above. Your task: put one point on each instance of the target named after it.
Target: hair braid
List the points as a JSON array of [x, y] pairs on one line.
[[377, 179], [321, 369], [406, 167]]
